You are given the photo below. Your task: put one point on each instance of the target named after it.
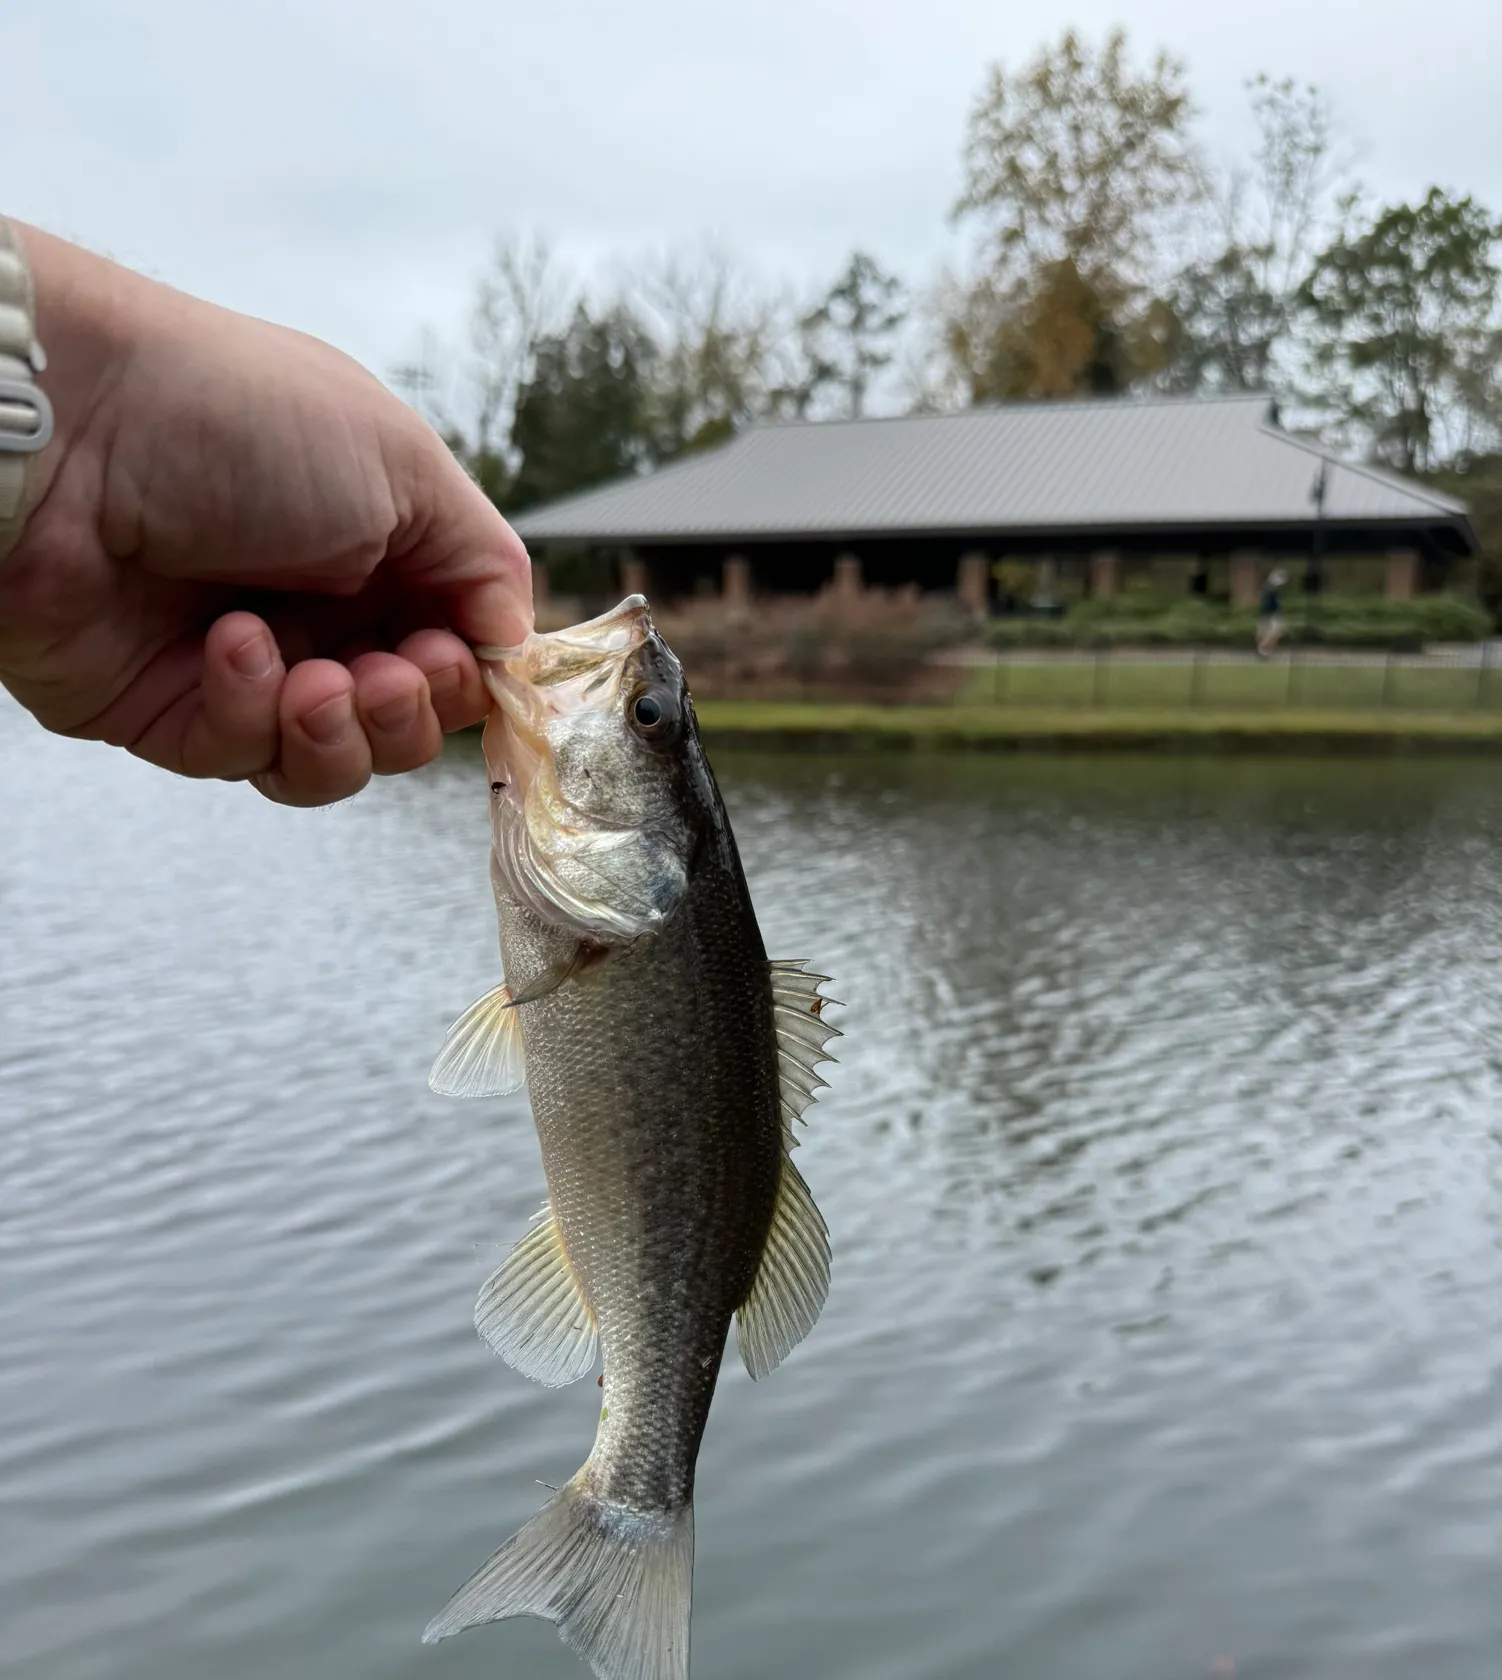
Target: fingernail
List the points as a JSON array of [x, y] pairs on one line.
[[396, 714], [254, 658], [328, 725]]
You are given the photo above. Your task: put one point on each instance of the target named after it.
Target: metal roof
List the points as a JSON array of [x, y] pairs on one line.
[[1110, 464]]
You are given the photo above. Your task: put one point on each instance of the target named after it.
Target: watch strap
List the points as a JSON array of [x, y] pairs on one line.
[[25, 413]]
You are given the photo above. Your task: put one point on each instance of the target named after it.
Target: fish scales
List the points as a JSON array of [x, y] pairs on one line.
[[654, 1089]]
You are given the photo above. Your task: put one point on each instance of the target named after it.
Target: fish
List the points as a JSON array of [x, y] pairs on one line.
[[666, 1060]]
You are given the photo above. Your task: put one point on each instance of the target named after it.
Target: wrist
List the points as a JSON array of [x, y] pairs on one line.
[[25, 413], [87, 312]]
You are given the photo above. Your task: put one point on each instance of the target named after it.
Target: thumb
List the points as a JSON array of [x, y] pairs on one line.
[[465, 552]]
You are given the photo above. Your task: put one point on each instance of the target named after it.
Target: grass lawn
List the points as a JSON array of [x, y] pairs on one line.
[[1272, 729], [1123, 684]]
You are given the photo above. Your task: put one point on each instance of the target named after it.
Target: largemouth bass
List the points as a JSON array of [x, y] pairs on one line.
[[666, 1060]]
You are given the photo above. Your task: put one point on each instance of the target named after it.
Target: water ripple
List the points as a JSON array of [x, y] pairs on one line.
[[1162, 1162]]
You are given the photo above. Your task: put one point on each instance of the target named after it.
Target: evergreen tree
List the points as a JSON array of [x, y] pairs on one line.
[[583, 417]]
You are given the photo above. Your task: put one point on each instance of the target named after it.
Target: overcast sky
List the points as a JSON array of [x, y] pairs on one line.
[[342, 165]]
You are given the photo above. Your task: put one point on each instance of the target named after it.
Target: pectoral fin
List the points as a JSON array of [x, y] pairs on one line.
[[545, 984], [533, 1313], [482, 1055]]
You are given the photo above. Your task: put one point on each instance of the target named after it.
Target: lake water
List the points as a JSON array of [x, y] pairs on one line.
[[1162, 1166]]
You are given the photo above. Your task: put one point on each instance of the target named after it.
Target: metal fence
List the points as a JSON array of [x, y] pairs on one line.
[[1450, 679]]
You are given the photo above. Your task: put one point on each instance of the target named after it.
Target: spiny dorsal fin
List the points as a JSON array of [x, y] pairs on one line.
[[802, 1033], [533, 1313], [792, 1283], [482, 1055]]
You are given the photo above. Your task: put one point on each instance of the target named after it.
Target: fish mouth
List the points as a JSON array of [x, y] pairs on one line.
[[551, 673], [561, 848], [548, 659]]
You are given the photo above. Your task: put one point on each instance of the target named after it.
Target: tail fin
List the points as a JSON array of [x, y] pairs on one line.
[[617, 1582]]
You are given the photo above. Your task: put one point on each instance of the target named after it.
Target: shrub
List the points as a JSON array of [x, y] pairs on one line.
[[878, 645], [1331, 621]]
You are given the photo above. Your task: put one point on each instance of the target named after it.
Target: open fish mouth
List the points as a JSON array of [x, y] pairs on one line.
[[598, 856], [551, 674], [562, 660]]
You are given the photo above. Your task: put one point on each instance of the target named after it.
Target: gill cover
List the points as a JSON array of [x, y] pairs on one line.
[[589, 833]]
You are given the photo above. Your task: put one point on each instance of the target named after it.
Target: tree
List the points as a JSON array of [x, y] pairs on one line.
[[518, 299], [1477, 480], [715, 340], [1229, 325], [847, 338], [584, 415], [1076, 170], [1235, 308], [1079, 157], [1059, 335], [1403, 322]]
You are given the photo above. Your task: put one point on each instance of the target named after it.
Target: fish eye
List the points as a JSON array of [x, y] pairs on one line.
[[653, 714]]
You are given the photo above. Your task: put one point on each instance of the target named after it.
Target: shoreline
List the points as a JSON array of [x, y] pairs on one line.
[[797, 725]]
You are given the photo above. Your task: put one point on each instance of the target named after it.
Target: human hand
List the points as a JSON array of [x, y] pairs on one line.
[[245, 558]]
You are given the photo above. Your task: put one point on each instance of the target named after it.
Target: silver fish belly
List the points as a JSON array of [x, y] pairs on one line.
[[666, 1061]]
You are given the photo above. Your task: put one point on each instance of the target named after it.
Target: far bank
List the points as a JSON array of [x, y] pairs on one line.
[[796, 725]]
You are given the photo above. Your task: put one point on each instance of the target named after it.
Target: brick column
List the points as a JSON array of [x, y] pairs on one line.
[[1402, 574], [735, 583], [633, 574], [847, 576], [1246, 586], [1103, 574], [972, 583]]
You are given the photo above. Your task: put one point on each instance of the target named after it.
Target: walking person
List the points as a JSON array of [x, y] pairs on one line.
[[1270, 625]]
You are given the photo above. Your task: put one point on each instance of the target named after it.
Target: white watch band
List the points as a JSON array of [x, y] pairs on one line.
[[25, 413]]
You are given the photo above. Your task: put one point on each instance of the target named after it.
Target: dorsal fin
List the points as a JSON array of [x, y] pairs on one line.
[[792, 1281], [793, 1278], [533, 1313], [802, 1033]]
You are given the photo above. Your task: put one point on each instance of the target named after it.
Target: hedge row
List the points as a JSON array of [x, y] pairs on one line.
[[1338, 622]]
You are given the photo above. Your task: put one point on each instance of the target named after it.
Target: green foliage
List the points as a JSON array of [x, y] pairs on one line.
[[1403, 318], [1330, 621], [1477, 480], [713, 371], [847, 338], [1228, 324], [581, 419]]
